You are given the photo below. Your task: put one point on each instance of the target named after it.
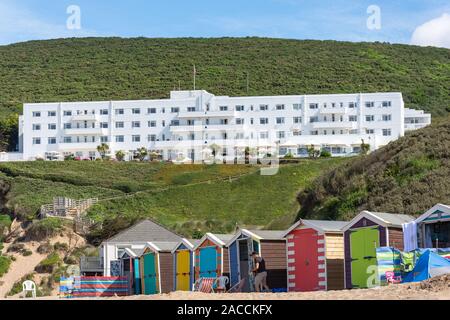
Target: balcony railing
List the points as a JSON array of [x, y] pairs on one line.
[[335, 124], [85, 131], [91, 264]]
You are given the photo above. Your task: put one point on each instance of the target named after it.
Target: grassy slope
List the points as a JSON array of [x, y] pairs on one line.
[[187, 197], [113, 68], [407, 176]]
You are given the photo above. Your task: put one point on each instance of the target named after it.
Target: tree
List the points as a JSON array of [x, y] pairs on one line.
[[214, 149], [141, 153], [365, 148], [313, 152], [120, 155], [103, 149]]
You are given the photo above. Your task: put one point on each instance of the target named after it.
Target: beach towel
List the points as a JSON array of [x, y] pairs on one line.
[[410, 236]]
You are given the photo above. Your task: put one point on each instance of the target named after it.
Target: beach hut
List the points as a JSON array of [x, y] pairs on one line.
[[433, 227], [211, 256], [183, 262], [270, 244], [157, 270], [362, 236], [130, 269], [315, 252]]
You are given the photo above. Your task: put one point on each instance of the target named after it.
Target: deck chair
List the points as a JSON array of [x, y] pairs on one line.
[[220, 284], [238, 287], [29, 286], [204, 285], [391, 278]]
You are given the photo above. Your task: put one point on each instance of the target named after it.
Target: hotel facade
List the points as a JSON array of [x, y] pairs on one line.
[[191, 124]]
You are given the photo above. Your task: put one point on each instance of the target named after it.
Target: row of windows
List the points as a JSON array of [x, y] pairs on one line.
[[262, 107]]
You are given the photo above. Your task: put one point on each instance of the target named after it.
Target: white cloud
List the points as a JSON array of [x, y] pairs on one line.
[[20, 24], [435, 32]]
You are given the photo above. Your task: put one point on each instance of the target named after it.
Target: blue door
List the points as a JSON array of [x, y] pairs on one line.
[[234, 264], [208, 262], [137, 277]]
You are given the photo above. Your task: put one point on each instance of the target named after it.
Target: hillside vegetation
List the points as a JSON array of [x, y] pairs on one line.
[[114, 68], [408, 176]]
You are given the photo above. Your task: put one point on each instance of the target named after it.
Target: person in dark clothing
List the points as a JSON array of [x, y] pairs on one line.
[[260, 273]]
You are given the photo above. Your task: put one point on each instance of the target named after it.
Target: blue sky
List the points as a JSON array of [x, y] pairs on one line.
[[22, 20]]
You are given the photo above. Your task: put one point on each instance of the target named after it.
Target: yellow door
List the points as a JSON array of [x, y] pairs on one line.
[[183, 270]]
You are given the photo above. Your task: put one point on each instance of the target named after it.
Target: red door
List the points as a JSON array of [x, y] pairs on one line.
[[306, 260]]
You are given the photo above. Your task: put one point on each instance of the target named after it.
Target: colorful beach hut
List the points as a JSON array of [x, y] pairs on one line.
[[211, 256], [130, 269], [433, 227], [157, 270], [183, 261], [315, 251], [362, 236], [270, 244]]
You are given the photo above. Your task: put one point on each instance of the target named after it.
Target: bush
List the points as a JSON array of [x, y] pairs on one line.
[[16, 247], [325, 154], [43, 229], [61, 247], [45, 248], [49, 264], [27, 253], [5, 262]]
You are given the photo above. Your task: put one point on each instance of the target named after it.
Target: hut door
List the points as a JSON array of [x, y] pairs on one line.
[[137, 277], [363, 244], [149, 274], [208, 262], [183, 270], [306, 260], [244, 261]]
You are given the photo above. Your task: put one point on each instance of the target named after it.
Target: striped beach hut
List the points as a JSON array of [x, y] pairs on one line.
[[156, 265], [131, 269], [211, 256], [183, 262], [433, 227], [270, 244], [315, 251]]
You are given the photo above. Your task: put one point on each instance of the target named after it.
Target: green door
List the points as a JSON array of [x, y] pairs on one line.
[[149, 274], [363, 244]]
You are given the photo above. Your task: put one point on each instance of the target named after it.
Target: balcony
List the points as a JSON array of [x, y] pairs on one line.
[[334, 125], [85, 117], [206, 128], [206, 114], [91, 265], [85, 131], [78, 146], [335, 110]]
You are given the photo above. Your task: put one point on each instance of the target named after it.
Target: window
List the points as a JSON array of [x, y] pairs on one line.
[[152, 124], [387, 132], [387, 117], [264, 135], [352, 104], [104, 112], [120, 139], [370, 131], [151, 110], [52, 113], [136, 124], [120, 112], [280, 120], [386, 104], [163, 123], [52, 126], [36, 127], [191, 109], [136, 111], [52, 140], [239, 121], [223, 108], [239, 108], [370, 104], [120, 125], [36, 114], [280, 107], [297, 120], [297, 106], [370, 118], [136, 138], [175, 110], [104, 139], [104, 125], [314, 106], [67, 113], [314, 133], [263, 120], [264, 107], [67, 139], [67, 126], [151, 138], [280, 134], [352, 118], [313, 119], [36, 141], [175, 123]]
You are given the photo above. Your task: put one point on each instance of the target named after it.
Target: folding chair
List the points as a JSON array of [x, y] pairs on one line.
[[204, 285]]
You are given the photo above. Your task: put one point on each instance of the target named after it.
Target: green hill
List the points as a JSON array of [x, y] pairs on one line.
[[407, 176], [114, 68]]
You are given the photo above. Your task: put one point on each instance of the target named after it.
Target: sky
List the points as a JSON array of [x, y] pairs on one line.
[[420, 22]]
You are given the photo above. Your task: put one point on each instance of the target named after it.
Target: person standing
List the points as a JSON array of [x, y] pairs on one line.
[[260, 273]]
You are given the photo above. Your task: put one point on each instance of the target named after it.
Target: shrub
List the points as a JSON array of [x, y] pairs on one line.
[[27, 253], [61, 247], [45, 248], [43, 229], [5, 262], [16, 247], [325, 154], [49, 264]]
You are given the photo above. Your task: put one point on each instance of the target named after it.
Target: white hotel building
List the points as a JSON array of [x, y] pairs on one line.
[[187, 124]]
